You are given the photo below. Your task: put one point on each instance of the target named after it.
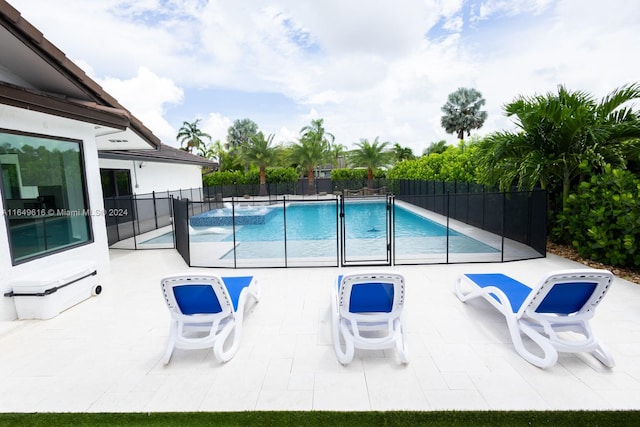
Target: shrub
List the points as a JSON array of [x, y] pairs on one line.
[[223, 178], [602, 219], [454, 164], [273, 175], [346, 174], [281, 175]]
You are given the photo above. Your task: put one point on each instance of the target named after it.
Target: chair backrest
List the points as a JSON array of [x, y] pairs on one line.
[[374, 293], [568, 293], [196, 295]]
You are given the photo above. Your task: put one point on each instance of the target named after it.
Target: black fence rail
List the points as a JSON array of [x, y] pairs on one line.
[[520, 216], [321, 186], [128, 217], [513, 224]]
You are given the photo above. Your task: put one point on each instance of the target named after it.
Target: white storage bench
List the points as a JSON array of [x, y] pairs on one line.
[[49, 291]]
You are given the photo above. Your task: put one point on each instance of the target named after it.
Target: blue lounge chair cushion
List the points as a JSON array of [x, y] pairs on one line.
[[370, 297], [201, 299], [196, 299], [567, 298], [235, 285], [516, 291]]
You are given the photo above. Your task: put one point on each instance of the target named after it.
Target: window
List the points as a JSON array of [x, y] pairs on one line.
[[44, 194], [115, 182]]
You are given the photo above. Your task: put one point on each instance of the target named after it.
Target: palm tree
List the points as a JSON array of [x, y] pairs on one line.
[[313, 149], [435, 147], [317, 132], [561, 136], [238, 136], [370, 155], [337, 154], [190, 134], [462, 112], [259, 152], [402, 153], [213, 151]]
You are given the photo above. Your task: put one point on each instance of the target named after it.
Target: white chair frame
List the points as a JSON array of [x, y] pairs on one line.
[[543, 328], [215, 328], [348, 327]]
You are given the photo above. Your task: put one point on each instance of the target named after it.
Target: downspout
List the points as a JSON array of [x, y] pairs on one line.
[[135, 174]]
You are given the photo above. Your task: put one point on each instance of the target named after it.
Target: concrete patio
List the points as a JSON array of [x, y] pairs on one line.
[[103, 355]]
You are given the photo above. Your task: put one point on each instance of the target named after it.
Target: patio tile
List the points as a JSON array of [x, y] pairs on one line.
[[104, 354]]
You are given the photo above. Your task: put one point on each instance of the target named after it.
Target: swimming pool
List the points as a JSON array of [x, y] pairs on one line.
[[311, 230]]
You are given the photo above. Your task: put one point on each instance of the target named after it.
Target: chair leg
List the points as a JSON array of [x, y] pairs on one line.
[[401, 342], [339, 334], [603, 354], [344, 356], [171, 342], [550, 352], [230, 328], [167, 354]]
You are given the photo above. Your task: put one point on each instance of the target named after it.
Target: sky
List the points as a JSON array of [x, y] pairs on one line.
[[368, 68]]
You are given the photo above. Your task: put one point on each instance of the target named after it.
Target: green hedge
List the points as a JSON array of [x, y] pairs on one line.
[[360, 174], [602, 219], [454, 164], [273, 176]]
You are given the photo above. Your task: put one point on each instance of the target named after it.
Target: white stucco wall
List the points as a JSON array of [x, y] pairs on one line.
[[28, 121], [156, 176]]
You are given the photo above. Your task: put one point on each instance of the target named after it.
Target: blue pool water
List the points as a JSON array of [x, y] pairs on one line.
[[312, 230], [317, 221]]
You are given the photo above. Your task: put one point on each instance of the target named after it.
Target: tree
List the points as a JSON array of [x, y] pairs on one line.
[[371, 156], [337, 153], [462, 112], [435, 147], [401, 153], [260, 153], [312, 149], [317, 132], [562, 136], [238, 136], [190, 134]]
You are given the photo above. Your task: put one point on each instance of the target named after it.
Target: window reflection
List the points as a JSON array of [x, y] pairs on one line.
[[44, 194]]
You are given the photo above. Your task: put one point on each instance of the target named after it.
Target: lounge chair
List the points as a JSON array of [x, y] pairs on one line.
[[367, 313], [207, 311], [562, 301]]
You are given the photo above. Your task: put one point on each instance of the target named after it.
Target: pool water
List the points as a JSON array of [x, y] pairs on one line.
[[312, 230], [366, 220]]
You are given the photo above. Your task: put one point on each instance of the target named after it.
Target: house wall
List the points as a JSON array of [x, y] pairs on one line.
[[156, 176], [28, 121]]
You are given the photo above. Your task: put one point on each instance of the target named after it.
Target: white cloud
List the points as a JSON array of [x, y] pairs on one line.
[[511, 7], [146, 96], [365, 66], [217, 126]]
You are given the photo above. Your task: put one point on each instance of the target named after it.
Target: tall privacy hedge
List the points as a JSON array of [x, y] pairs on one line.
[[273, 176], [602, 219]]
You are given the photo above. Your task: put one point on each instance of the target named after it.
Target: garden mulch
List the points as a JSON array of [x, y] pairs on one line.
[[568, 252]]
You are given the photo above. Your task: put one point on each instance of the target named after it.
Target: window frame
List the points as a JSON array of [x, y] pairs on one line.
[[85, 198]]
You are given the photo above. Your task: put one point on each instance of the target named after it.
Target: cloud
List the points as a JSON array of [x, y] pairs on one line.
[[368, 67], [217, 126], [146, 96]]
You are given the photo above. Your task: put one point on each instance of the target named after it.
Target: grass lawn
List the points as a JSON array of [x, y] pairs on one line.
[[328, 418]]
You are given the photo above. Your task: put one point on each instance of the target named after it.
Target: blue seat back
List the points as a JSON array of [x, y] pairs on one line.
[[196, 299], [566, 298], [371, 298]]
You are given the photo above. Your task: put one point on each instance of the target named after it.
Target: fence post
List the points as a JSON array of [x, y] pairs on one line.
[[155, 209], [447, 213], [504, 202], [133, 201]]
